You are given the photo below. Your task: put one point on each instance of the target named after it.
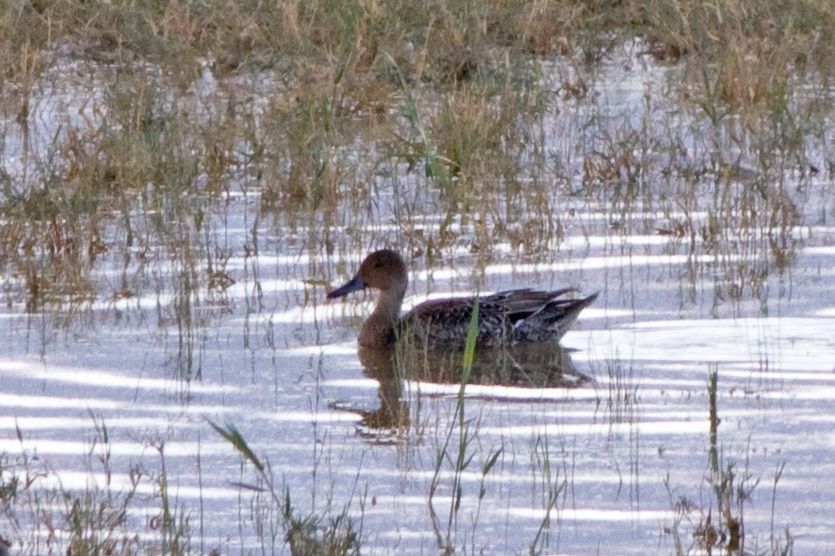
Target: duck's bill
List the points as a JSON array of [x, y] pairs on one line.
[[354, 285]]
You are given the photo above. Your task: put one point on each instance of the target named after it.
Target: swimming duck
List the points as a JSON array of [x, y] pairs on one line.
[[504, 319]]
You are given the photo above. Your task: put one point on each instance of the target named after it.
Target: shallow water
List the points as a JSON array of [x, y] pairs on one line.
[[267, 354]]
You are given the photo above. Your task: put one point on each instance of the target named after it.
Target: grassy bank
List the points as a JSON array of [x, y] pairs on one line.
[[450, 41]]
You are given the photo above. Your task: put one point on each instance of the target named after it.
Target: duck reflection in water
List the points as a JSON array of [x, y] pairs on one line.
[[517, 337], [535, 366]]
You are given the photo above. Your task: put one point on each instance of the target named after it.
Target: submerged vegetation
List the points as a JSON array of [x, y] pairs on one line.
[[133, 131]]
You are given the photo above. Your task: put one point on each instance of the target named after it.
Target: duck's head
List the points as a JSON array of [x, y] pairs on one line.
[[383, 270]]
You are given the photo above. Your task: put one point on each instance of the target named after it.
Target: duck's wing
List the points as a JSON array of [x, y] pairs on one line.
[[440, 323], [551, 321], [517, 305], [444, 322]]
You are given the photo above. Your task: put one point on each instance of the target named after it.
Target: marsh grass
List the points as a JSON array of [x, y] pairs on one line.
[[458, 456], [100, 519], [307, 534], [554, 487], [444, 100], [719, 522], [622, 395]]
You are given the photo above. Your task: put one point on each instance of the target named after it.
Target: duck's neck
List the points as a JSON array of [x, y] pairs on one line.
[[388, 304], [378, 329]]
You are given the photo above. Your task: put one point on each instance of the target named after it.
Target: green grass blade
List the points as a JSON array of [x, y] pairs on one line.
[[469, 345], [236, 439]]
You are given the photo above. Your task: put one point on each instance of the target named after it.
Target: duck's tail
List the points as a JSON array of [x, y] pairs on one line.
[[551, 320]]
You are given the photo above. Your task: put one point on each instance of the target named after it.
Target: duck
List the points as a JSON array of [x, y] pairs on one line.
[[506, 318]]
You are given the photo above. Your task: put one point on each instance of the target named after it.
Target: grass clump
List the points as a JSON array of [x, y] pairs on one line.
[[306, 534], [442, 42], [449, 91], [721, 525], [100, 518], [753, 49]]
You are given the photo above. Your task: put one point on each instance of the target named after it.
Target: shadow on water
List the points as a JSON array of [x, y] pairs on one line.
[[529, 366]]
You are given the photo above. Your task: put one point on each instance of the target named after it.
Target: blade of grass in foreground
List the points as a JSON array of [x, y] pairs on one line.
[[231, 433], [463, 457], [469, 350]]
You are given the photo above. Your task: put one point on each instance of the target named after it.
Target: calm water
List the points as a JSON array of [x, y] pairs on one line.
[[269, 355]]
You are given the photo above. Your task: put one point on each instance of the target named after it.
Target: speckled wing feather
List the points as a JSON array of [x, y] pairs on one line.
[[551, 321], [502, 318], [439, 323]]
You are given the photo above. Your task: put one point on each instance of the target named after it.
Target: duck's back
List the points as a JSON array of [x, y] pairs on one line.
[[505, 318]]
